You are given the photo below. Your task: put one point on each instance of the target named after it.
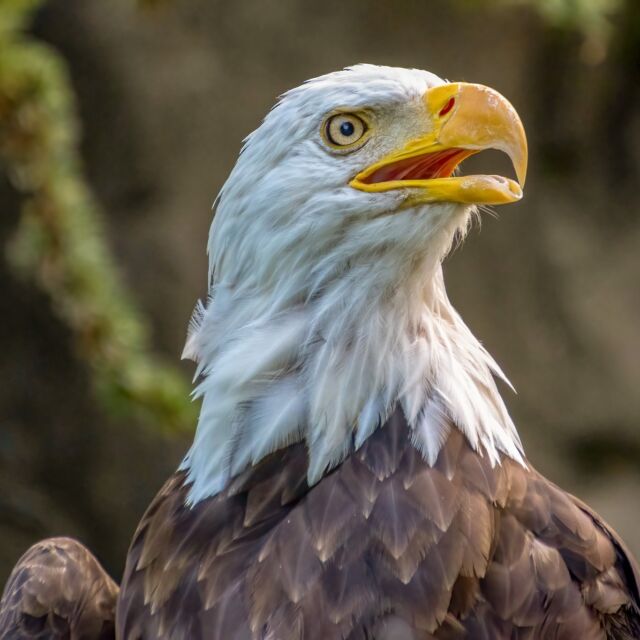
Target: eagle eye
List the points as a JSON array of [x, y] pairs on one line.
[[344, 130]]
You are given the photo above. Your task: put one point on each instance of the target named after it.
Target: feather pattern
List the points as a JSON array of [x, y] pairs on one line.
[[58, 590]]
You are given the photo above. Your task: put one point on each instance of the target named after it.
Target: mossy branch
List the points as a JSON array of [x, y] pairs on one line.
[[60, 241]]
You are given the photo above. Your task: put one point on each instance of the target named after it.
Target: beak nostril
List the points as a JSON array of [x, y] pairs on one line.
[[447, 107]]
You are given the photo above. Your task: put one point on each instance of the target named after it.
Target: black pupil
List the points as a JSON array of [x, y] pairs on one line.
[[347, 129]]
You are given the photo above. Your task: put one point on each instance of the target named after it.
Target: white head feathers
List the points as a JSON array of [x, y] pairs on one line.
[[327, 305]]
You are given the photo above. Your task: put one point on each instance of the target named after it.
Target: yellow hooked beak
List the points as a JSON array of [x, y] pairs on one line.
[[465, 119]]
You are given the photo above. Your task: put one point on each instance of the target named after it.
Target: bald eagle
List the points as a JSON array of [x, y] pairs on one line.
[[355, 473]]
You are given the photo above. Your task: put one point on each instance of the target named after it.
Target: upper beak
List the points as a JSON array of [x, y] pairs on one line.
[[464, 119]]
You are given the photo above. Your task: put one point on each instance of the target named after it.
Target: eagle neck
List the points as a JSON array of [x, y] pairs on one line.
[[329, 371]]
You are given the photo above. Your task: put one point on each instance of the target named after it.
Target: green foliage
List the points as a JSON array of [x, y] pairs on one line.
[[14, 14], [60, 242], [585, 15]]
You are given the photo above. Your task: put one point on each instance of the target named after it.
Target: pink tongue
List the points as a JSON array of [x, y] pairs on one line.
[[440, 164]]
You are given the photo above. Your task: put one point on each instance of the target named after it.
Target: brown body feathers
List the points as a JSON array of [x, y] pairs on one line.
[[58, 590], [385, 547]]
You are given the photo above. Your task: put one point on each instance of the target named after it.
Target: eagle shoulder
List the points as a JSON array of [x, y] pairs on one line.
[[557, 567], [58, 590], [623, 624]]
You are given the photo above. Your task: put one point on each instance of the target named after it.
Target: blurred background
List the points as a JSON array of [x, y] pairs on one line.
[[118, 124]]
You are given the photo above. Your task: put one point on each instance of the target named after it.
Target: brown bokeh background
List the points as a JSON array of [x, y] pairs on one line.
[[165, 97]]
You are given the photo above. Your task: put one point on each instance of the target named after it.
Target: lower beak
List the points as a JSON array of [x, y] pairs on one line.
[[464, 120]]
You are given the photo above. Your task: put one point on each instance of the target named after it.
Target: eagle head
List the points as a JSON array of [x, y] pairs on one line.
[[326, 305]]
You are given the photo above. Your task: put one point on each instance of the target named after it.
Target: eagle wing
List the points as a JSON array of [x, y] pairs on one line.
[[556, 568], [623, 624], [58, 590]]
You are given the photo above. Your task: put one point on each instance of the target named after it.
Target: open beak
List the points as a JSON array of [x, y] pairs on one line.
[[465, 119]]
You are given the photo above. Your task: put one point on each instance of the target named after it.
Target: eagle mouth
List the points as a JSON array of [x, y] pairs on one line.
[[427, 166], [429, 177]]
